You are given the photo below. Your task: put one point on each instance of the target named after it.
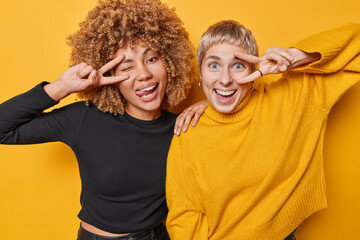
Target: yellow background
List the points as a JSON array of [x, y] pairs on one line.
[[39, 184]]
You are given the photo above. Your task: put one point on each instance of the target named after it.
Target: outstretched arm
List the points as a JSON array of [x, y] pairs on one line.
[[327, 62]]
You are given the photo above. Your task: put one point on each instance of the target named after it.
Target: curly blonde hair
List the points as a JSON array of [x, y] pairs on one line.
[[113, 23]]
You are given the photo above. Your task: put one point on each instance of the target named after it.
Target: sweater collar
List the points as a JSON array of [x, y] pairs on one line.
[[246, 107]]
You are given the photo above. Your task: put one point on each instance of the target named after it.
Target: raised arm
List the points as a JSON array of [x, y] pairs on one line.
[[22, 120], [328, 63]]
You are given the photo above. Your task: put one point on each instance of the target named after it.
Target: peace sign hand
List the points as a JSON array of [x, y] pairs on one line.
[[83, 77], [274, 60]]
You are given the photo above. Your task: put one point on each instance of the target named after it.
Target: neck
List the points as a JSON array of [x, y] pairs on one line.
[[144, 115]]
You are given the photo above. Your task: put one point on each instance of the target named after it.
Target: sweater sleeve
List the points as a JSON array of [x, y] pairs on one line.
[[339, 66], [22, 120], [185, 219]]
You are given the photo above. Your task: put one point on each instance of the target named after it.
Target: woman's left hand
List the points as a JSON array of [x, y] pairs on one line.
[[274, 60], [193, 112]]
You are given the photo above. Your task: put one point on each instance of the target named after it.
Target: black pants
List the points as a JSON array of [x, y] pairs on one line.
[[157, 233]]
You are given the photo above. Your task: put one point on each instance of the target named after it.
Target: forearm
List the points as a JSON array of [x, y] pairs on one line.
[[338, 48], [20, 110], [56, 90]]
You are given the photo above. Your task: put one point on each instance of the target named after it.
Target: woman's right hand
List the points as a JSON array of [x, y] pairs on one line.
[[82, 77], [276, 60]]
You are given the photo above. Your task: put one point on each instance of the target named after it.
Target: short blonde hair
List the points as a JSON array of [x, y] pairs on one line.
[[227, 31]]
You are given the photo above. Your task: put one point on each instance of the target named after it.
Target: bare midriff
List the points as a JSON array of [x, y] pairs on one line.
[[92, 229]]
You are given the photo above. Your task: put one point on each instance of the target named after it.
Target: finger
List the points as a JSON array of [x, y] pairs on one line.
[[282, 67], [113, 63], [179, 123], [86, 71], [286, 54], [276, 57], [189, 115], [196, 118], [79, 67], [91, 81], [247, 58], [113, 79], [250, 78], [280, 51], [281, 57]]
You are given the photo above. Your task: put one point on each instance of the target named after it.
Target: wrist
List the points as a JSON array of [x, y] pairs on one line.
[[301, 57], [56, 90]]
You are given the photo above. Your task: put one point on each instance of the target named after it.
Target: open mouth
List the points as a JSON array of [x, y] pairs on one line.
[[225, 96], [225, 93], [146, 92]]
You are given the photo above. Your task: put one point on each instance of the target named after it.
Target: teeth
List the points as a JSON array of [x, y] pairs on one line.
[[147, 89], [225, 93], [145, 96]]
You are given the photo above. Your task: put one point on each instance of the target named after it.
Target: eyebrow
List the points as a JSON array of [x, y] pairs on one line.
[[238, 59], [218, 58], [212, 57], [131, 60]]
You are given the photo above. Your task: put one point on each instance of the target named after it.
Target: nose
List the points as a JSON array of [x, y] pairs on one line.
[[226, 78], [143, 73]]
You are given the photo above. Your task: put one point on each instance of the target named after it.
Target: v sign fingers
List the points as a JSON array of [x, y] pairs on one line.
[[250, 78], [247, 58], [111, 80], [252, 60], [111, 64], [102, 80]]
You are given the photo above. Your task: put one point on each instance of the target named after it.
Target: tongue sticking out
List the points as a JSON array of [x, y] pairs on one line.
[[146, 91]]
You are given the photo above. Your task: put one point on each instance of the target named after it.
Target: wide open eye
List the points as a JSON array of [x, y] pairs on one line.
[[213, 65], [239, 66]]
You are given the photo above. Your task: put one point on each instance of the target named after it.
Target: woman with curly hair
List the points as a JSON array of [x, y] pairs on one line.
[[131, 61]]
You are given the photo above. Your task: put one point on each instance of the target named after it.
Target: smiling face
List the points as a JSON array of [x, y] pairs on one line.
[[219, 71], [145, 89]]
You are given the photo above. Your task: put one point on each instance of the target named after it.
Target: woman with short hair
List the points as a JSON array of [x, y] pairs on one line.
[[252, 168]]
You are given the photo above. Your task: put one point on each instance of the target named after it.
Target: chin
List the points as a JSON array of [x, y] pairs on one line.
[[152, 106], [224, 108]]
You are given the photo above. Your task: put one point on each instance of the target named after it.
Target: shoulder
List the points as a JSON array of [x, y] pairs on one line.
[[73, 107]]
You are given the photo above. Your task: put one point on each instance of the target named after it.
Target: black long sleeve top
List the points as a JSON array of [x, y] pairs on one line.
[[122, 160]]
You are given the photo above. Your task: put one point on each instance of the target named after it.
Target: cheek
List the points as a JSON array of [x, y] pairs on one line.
[[162, 77], [126, 86], [162, 74], [209, 79], [242, 74]]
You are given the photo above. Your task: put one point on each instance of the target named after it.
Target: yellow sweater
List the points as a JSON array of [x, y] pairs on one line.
[[257, 173]]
